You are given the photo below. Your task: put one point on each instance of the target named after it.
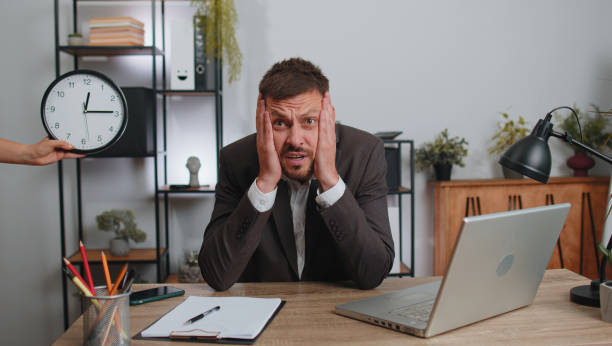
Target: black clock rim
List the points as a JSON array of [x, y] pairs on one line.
[[112, 84]]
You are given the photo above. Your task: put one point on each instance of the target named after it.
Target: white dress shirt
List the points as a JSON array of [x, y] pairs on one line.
[[298, 199]]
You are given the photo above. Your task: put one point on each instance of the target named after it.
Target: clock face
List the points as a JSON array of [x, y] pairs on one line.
[[86, 109]]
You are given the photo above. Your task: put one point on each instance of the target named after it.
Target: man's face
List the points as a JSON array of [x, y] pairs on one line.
[[295, 124]]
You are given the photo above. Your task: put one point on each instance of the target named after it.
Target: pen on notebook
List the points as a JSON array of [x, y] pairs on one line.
[[202, 315]]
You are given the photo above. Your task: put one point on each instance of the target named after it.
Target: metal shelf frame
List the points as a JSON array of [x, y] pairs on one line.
[[158, 153], [401, 192]]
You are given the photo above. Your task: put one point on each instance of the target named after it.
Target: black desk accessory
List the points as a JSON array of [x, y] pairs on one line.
[[388, 134], [530, 156]]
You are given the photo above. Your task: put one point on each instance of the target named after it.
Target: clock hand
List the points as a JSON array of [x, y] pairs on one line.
[[87, 101], [86, 127], [100, 112]]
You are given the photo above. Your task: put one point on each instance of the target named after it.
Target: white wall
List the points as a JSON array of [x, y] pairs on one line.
[[415, 66]]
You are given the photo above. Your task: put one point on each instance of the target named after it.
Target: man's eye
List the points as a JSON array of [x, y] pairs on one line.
[[278, 123], [310, 121]]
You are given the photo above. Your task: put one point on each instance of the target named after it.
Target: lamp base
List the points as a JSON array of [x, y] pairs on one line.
[[586, 295]]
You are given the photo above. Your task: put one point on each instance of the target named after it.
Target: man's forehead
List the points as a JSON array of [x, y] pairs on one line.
[[305, 99]]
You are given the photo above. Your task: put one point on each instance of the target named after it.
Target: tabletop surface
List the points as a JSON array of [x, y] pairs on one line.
[[308, 316]]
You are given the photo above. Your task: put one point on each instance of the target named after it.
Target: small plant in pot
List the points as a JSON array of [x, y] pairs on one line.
[[508, 132], [595, 134], [190, 270], [442, 154], [120, 221], [75, 39]]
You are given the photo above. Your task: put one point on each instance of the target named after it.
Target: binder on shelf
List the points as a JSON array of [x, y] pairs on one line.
[[238, 320]]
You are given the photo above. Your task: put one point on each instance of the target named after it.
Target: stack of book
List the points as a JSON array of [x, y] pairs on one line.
[[116, 31]]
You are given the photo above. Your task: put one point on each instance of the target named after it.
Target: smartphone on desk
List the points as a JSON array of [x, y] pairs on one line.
[[153, 294]]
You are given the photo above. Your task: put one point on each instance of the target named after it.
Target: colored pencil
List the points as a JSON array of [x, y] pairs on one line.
[[86, 265], [81, 286], [107, 276], [123, 270], [76, 274]]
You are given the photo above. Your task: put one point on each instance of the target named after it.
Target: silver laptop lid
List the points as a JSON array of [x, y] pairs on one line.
[[497, 265]]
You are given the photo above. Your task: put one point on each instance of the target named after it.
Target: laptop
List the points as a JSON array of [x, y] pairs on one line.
[[497, 265]]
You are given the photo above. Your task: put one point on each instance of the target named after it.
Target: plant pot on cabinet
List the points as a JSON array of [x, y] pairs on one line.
[[443, 171], [190, 274], [605, 301], [580, 163], [119, 246]]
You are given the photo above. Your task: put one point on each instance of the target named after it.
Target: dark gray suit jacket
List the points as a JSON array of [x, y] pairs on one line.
[[350, 240]]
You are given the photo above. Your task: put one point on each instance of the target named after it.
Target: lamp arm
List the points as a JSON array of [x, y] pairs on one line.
[[566, 137]]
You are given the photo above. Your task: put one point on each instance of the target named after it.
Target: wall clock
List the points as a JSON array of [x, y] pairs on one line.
[[86, 109]]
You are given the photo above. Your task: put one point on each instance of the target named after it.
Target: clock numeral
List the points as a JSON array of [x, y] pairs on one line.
[[87, 81], [56, 125], [51, 108], [71, 84], [68, 135], [102, 87], [116, 114], [83, 141], [99, 138], [110, 129], [60, 94], [113, 98]]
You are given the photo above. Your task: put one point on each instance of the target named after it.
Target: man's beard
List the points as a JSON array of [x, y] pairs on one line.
[[301, 177], [304, 174]]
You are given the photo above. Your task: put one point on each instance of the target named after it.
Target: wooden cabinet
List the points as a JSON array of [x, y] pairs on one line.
[[453, 200]]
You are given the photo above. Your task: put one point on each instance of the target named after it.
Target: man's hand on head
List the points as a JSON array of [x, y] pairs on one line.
[[325, 157], [269, 165]]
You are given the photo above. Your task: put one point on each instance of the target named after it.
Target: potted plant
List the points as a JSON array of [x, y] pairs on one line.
[[508, 132], [605, 289], [75, 39], [218, 19], [594, 134], [442, 154], [120, 221], [190, 270]]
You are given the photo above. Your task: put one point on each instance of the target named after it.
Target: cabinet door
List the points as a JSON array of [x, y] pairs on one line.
[[456, 199]]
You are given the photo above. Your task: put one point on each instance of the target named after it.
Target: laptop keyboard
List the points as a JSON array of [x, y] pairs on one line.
[[415, 313]]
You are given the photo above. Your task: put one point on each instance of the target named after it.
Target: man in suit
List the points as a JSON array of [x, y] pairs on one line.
[[303, 198]]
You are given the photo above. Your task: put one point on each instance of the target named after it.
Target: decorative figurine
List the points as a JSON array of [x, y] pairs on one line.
[[193, 165]]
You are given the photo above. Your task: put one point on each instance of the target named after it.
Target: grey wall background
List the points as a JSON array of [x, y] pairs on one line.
[[415, 66]]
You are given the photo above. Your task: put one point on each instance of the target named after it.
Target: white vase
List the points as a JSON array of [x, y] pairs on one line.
[[75, 40], [605, 300], [119, 246]]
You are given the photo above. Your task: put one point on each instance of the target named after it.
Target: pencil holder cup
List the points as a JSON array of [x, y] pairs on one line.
[[106, 320]]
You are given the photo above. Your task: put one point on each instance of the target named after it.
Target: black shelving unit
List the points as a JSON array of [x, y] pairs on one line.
[[160, 253], [400, 192]]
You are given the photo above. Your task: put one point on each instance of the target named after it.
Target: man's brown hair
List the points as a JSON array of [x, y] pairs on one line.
[[292, 77]]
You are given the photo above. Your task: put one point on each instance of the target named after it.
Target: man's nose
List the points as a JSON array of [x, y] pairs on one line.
[[296, 137]]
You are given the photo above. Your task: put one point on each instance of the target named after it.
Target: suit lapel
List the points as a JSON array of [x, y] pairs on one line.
[[281, 213]]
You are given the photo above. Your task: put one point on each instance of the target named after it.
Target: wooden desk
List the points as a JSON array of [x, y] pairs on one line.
[[308, 317]]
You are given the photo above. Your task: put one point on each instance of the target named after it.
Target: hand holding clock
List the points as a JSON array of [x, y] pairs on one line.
[[44, 152]]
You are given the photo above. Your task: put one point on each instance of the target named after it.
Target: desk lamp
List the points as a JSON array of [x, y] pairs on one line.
[[530, 156]]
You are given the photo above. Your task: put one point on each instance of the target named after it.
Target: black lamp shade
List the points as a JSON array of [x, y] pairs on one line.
[[529, 156]]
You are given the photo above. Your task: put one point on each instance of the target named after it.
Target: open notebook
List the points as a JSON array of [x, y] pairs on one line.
[[240, 318]]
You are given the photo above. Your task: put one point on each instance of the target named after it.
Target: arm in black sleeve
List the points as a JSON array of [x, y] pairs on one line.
[[359, 223]]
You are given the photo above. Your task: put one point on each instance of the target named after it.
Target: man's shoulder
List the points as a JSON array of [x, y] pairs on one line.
[[352, 137], [245, 145]]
